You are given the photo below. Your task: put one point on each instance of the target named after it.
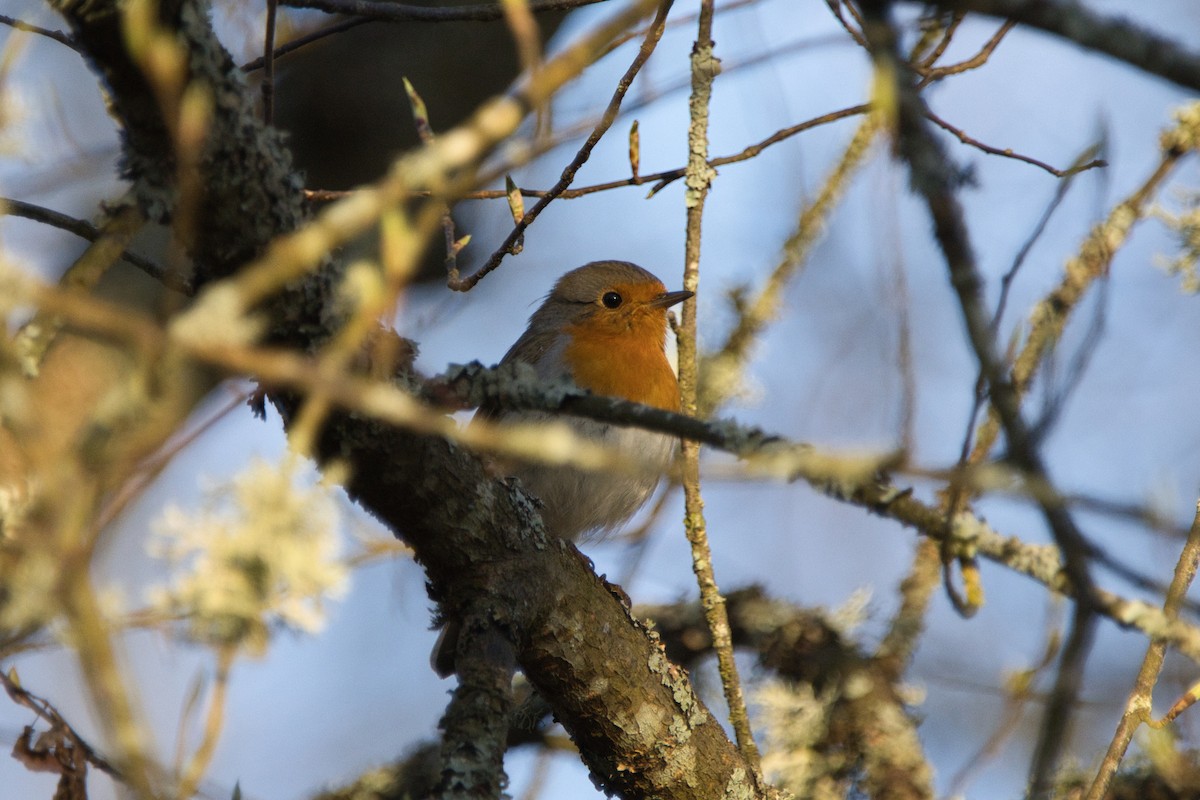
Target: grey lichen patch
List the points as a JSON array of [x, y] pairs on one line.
[[679, 730], [739, 786], [648, 720], [673, 678], [1140, 614], [681, 763], [700, 174]]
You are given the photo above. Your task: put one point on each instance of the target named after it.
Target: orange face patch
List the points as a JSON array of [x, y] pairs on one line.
[[619, 351]]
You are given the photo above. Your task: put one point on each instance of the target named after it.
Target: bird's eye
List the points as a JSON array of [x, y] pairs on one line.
[[611, 300]]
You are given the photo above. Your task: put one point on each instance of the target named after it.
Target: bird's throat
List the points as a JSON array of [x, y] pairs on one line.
[[621, 365]]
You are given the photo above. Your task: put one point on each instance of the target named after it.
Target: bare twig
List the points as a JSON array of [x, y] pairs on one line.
[[1060, 193], [307, 39], [653, 35], [931, 73], [836, 7], [43, 708], [58, 36], [214, 721], [659, 179], [88, 231], [918, 57], [1008, 152]]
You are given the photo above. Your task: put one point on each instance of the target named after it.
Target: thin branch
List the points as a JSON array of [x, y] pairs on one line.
[[653, 35], [58, 36], [268, 59], [659, 179], [931, 73], [920, 60], [1060, 194], [88, 231], [307, 39], [1008, 152], [214, 721], [43, 708], [836, 7]]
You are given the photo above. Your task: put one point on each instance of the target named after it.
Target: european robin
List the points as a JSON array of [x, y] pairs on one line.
[[604, 326]]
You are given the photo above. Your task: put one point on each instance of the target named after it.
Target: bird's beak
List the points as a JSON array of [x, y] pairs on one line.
[[668, 299]]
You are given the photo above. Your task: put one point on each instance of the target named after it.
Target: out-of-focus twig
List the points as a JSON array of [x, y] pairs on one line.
[[722, 368], [653, 35], [88, 231], [58, 36], [1007, 152], [1139, 705]]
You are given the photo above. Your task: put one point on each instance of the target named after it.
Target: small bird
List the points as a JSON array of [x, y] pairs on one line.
[[604, 326]]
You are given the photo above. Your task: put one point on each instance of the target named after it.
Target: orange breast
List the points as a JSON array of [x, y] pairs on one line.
[[630, 364]]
